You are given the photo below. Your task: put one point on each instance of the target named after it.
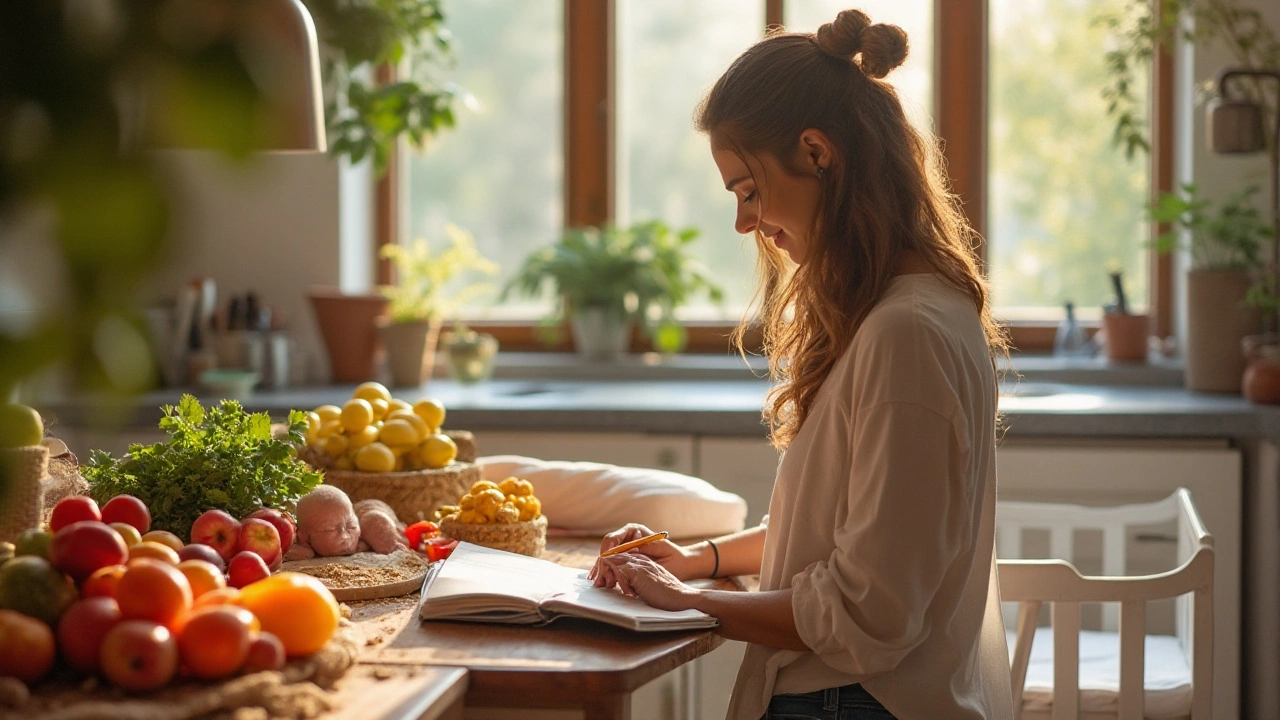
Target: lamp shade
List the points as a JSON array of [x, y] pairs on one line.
[[1234, 126], [257, 88], [282, 54]]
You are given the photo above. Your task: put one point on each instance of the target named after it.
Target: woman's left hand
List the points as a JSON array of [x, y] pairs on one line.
[[638, 575]]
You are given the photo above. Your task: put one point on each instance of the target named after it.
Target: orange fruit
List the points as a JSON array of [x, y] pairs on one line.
[[221, 596], [103, 582], [294, 607], [164, 537], [155, 551], [29, 646], [203, 576], [214, 641], [154, 590]]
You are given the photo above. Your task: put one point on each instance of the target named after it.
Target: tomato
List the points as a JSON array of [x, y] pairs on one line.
[[440, 548], [420, 531]]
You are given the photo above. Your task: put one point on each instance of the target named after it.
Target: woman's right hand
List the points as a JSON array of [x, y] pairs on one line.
[[664, 552]]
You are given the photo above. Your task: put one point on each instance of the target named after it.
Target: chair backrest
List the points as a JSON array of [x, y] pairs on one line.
[[1031, 583]]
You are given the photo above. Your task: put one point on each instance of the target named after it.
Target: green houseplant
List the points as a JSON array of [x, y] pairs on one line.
[[429, 285], [604, 280], [366, 115], [1226, 244]]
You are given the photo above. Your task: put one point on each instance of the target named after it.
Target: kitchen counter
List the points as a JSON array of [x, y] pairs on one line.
[[732, 408]]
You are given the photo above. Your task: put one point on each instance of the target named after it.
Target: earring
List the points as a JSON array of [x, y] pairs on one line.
[[822, 173]]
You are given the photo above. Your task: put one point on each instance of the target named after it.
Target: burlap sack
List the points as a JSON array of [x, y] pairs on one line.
[[22, 472]]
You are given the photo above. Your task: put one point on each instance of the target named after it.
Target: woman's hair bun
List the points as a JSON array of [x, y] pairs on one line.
[[882, 47]]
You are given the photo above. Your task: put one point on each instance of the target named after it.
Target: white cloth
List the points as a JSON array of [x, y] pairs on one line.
[[595, 498], [1166, 675], [882, 521]]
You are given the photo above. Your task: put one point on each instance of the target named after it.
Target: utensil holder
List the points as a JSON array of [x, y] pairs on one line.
[[1126, 336]]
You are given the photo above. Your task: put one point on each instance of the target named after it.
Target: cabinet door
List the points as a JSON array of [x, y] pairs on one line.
[[1117, 474], [661, 452], [744, 467]]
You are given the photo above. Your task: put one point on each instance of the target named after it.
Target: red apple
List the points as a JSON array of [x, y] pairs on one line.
[[82, 629], [246, 568], [138, 655], [196, 551], [73, 509], [218, 530], [283, 523], [259, 536], [82, 547], [266, 652], [129, 510]]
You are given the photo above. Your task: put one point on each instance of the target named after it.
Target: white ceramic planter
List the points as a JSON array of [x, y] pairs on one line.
[[600, 335]]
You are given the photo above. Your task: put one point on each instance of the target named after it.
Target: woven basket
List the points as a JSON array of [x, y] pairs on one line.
[[526, 538], [414, 495], [22, 472]]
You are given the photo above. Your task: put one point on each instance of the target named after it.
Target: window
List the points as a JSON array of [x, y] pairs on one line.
[[669, 53], [1064, 206], [584, 112], [500, 173]]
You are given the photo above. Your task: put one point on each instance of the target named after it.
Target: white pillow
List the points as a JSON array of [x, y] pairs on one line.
[[596, 498]]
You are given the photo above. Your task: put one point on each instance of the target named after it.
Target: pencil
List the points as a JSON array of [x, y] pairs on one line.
[[634, 544]]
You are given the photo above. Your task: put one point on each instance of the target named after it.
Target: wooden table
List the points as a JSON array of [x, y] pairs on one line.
[[571, 664], [399, 693]]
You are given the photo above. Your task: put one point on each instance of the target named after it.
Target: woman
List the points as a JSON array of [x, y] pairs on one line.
[[877, 573]]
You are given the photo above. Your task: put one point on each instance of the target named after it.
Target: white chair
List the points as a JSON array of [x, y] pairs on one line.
[[1186, 658]]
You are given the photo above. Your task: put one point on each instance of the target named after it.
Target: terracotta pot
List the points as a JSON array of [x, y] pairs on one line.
[[411, 350], [1217, 321], [348, 326], [1126, 336]]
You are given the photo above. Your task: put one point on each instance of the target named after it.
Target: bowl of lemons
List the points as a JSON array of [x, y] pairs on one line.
[[506, 515], [380, 447]]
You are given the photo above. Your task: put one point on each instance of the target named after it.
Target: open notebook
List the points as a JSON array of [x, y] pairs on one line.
[[484, 585]]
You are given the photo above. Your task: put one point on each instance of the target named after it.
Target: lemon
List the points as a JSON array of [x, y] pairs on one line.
[[397, 404], [431, 411], [328, 429], [438, 451], [367, 434], [335, 445], [398, 432], [375, 457], [344, 463], [371, 391], [356, 415], [509, 485], [380, 409], [313, 427], [328, 413], [418, 423], [480, 486]]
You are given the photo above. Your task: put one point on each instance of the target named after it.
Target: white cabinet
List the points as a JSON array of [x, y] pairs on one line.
[[1116, 473], [743, 466]]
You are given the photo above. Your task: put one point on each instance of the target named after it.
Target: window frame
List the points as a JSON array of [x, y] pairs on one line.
[[961, 107]]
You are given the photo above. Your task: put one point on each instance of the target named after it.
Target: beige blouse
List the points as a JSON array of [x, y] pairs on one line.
[[883, 521]]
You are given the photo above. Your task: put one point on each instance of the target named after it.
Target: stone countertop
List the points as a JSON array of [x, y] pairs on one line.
[[732, 408]]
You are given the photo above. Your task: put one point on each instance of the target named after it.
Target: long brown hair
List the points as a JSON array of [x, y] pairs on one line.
[[885, 194]]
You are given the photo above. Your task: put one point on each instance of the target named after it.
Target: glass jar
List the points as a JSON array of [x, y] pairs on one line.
[[471, 356]]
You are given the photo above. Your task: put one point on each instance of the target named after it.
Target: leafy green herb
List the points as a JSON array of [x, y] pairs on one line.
[[224, 458]]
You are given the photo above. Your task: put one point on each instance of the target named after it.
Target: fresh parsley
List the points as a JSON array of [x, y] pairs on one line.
[[224, 458]]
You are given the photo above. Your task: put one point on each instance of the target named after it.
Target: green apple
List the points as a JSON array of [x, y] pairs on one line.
[[20, 426]]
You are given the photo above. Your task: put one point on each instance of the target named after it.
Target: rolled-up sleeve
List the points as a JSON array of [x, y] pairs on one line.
[[909, 515]]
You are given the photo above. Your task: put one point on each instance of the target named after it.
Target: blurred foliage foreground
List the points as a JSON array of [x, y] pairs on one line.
[[75, 79]]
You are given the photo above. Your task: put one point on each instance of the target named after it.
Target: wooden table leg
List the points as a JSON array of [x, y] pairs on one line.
[[607, 707]]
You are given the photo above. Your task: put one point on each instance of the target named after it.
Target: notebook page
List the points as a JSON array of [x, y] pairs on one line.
[[481, 578], [610, 605]]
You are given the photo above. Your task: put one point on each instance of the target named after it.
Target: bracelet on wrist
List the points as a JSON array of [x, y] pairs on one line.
[[716, 551]]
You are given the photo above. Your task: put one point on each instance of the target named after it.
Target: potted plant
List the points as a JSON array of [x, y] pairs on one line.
[[428, 287], [604, 280], [1226, 285]]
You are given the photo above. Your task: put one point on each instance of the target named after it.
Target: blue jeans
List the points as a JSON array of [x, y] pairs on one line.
[[850, 702]]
